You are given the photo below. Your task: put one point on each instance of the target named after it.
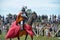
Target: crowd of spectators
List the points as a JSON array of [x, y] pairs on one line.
[[46, 27], [5, 22]]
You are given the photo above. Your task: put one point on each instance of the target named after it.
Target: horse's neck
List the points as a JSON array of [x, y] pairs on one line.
[[30, 21]]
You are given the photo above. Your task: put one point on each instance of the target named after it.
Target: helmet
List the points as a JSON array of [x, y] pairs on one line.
[[24, 8]]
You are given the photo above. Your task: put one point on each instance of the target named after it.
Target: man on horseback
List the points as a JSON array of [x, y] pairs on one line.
[[22, 17], [14, 30]]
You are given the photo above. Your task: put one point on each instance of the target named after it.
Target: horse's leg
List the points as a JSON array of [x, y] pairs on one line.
[[10, 39], [18, 38], [31, 38], [26, 36]]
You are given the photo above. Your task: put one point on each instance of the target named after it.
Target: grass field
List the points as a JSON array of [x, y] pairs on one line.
[[35, 38]]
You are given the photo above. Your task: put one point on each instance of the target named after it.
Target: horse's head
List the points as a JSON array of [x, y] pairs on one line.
[[34, 16], [19, 18]]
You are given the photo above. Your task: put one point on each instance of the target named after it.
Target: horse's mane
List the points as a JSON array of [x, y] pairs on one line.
[[30, 19]]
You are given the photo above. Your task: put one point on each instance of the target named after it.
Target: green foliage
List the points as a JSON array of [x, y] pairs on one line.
[[29, 11]]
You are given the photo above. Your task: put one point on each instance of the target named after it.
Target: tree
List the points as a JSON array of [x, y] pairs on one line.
[[9, 18], [29, 11], [9, 15], [40, 18]]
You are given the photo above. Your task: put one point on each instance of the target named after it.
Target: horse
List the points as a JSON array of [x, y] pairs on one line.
[[27, 28]]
